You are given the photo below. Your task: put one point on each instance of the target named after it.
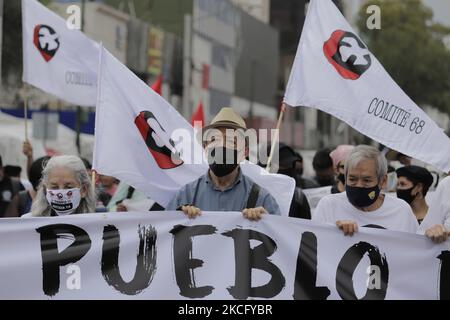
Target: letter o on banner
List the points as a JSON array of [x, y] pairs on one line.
[[348, 265]]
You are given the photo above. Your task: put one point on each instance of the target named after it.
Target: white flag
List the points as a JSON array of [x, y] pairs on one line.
[[335, 72], [141, 139], [56, 59]]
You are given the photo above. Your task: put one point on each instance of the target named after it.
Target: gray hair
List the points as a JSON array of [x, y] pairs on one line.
[[363, 152], [41, 206]]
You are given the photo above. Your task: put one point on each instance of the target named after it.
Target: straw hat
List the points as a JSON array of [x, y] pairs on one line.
[[227, 118]]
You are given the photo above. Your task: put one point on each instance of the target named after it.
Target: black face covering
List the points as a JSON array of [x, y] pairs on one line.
[[323, 182], [341, 178], [405, 194], [362, 197], [291, 172], [226, 158]]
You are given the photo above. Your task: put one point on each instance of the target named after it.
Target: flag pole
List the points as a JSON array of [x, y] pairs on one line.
[[276, 137], [25, 111], [93, 178]]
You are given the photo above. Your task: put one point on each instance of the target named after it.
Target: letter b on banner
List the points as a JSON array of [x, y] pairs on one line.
[[256, 258]]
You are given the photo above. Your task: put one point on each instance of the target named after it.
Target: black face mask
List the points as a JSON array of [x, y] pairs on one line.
[[323, 182], [341, 178], [226, 165], [405, 194], [362, 197], [291, 172]]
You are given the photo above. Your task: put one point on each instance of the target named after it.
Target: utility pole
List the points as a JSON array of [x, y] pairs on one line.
[[187, 66], [1, 39], [251, 113], [79, 112]]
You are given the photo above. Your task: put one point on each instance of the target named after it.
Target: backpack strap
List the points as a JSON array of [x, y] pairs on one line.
[[194, 198], [253, 196], [197, 186]]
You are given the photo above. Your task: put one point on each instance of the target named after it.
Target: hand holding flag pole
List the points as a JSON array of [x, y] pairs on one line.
[[276, 136]]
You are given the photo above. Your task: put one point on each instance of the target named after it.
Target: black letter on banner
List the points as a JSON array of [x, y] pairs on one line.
[[444, 282], [347, 266], [52, 259], [146, 260], [184, 264], [246, 259], [306, 273]]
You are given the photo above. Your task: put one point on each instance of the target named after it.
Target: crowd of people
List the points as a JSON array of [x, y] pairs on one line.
[[360, 180]]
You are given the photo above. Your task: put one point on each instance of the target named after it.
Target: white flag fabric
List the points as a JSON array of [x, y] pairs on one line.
[[141, 139], [56, 59], [335, 72]]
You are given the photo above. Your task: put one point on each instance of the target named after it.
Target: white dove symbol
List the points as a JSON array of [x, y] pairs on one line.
[[353, 50], [48, 40]]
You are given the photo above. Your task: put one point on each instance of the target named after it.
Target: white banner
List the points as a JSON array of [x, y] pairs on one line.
[[335, 72], [141, 139], [163, 255], [56, 59]]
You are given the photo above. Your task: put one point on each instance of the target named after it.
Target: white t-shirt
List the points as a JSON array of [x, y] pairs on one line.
[[439, 210], [394, 214]]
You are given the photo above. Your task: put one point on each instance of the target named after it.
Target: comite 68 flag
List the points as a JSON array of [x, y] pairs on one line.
[[56, 59], [141, 139], [335, 72]]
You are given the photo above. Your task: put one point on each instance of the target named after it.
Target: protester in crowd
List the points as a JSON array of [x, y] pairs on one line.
[[412, 186], [21, 203], [391, 185], [65, 189], [12, 171], [303, 182], [338, 156], [9, 187], [436, 224], [362, 204], [224, 187], [323, 166], [286, 165], [106, 188], [15, 172]]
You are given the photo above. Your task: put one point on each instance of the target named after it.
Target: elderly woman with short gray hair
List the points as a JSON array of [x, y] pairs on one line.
[[65, 189]]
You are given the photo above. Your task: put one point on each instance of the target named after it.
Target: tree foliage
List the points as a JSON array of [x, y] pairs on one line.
[[410, 46]]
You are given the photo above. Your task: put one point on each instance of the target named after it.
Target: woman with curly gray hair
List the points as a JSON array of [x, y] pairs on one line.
[[65, 189]]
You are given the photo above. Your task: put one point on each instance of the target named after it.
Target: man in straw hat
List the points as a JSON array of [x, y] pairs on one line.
[[224, 187]]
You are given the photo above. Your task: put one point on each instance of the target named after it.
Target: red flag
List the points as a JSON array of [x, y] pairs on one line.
[[199, 115], [157, 85]]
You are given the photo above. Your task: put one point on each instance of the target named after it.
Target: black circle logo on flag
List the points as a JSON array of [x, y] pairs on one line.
[[348, 54], [161, 147], [46, 41]]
